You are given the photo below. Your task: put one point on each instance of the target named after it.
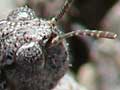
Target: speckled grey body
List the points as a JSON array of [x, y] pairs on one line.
[[27, 61]]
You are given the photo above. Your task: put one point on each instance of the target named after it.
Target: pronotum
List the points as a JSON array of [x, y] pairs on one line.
[[33, 51]]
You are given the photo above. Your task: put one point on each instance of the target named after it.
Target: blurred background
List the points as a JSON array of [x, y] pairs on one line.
[[95, 62]]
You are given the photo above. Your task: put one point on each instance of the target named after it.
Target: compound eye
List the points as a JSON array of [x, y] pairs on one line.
[[30, 53], [22, 13]]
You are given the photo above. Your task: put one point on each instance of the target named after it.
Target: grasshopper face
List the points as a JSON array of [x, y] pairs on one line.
[[33, 51]]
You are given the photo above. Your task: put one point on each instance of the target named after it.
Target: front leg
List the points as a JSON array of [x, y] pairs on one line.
[[3, 82]]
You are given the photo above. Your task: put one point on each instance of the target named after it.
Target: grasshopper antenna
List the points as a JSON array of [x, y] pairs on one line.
[[93, 33], [62, 11]]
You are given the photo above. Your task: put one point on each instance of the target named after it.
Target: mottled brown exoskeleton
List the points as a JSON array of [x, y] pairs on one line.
[[33, 51]]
